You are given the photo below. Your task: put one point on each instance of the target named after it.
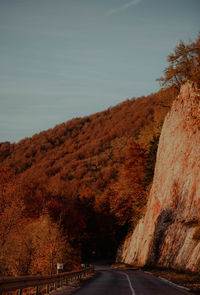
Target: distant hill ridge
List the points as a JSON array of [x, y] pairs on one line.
[[131, 118]]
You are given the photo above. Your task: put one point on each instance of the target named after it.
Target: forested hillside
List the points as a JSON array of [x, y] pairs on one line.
[[90, 175]]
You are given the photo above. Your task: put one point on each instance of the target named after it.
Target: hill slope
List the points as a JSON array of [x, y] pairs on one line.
[[76, 171]]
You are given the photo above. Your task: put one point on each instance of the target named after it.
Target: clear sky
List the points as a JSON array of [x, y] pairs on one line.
[[61, 59]]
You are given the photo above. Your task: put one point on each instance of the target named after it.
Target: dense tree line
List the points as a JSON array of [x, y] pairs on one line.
[[28, 243], [87, 175]]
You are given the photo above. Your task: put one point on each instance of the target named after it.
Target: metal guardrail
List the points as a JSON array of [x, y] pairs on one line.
[[19, 283]]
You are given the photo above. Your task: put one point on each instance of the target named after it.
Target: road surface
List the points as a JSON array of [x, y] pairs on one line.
[[120, 282]]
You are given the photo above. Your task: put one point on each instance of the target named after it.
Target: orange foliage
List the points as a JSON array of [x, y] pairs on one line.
[[87, 170], [127, 197]]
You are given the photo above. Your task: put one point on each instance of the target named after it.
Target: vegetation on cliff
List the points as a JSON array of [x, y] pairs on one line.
[[184, 64]]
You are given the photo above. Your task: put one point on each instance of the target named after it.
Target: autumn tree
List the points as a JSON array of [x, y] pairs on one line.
[[44, 239], [128, 196], [184, 64], [29, 243], [35, 248], [11, 211]]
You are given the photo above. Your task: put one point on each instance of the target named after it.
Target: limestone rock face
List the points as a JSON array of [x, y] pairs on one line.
[[169, 233]]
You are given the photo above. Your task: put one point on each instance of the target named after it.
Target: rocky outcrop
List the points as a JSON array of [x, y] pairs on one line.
[[169, 233]]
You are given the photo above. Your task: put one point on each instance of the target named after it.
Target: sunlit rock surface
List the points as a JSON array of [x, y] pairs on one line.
[[165, 236]]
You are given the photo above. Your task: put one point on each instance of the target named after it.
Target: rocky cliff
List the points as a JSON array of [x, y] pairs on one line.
[[169, 233]]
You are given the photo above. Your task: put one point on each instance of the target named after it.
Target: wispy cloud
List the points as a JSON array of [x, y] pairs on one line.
[[123, 7]]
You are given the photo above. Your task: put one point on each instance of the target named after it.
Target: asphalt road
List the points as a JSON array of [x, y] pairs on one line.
[[119, 282]]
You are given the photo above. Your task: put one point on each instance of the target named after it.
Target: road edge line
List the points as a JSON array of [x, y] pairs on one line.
[[129, 282], [169, 282], [173, 284]]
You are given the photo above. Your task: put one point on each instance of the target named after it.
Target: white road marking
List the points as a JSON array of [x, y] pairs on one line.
[[173, 284], [129, 282]]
